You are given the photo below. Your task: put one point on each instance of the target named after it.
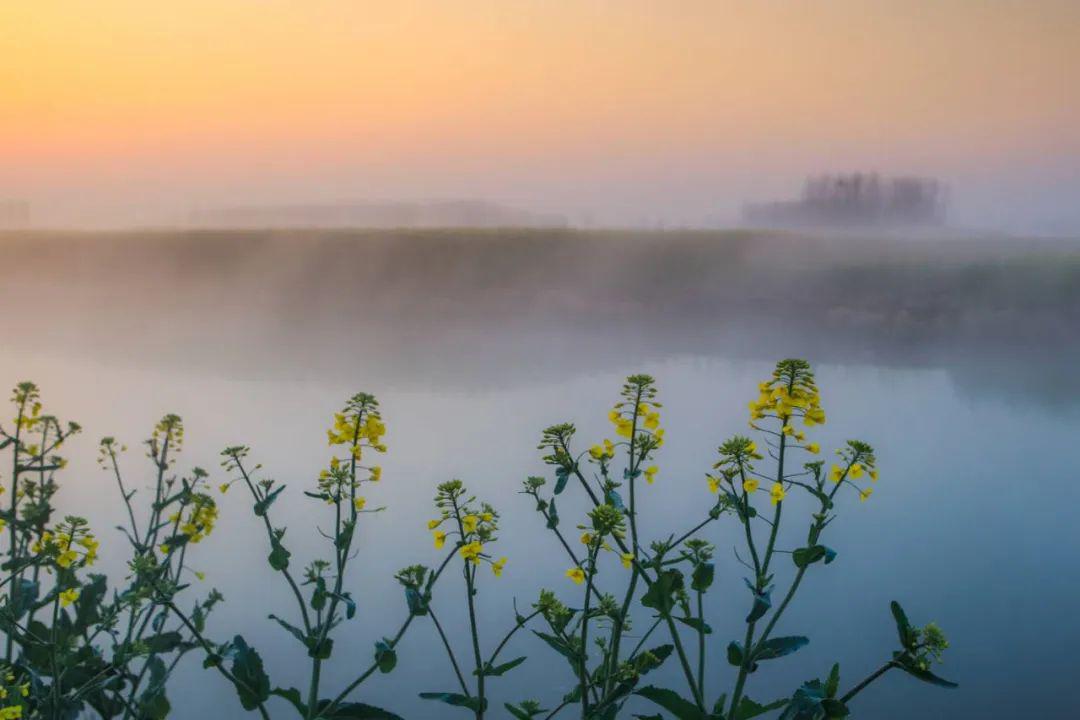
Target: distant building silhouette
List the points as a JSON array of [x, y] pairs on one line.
[[856, 199], [14, 214]]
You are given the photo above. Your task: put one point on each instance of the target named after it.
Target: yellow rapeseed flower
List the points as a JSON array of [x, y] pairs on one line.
[[432, 524], [836, 473], [652, 420], [471, 551], [224, 488], [627, 560], [856, 471], [576, 574], [813, 448], [777, 493], [69, 596], [750, 485], [469, 522], [650, 474], [864, 494], [440, 539], [497, 566], [359, 503], [873, 475], [714, 484]]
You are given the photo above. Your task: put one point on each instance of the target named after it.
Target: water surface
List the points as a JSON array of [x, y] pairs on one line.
[[953, 361]]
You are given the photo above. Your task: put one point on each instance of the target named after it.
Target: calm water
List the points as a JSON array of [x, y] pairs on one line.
[[971, 524]]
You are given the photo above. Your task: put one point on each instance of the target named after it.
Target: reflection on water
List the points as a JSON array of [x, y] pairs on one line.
[[952, 364]]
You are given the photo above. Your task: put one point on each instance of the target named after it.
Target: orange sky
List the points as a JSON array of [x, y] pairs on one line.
[[689, 105]]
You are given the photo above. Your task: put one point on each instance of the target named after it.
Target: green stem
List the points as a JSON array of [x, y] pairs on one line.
[[449, 651], [583, 660], [871, 678], [701, 642], [685, 662], [393, 643], [12, 520]]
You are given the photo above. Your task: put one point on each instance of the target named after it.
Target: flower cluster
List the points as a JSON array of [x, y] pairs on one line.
[[358, 426], [196, 518], [856, 461], [606, 521], [168, 436], [474, 525], [69, 545], [12, 694], [736, 465], [638, 411], [791, 393]]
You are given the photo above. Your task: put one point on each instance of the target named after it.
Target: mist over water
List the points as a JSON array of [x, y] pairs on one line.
[[954, 358]]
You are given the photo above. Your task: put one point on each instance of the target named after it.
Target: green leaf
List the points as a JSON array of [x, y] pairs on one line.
[[808, 555], [320, 650], [352, 711], [350, 604], [517, 712], [153, 704], [319, 595], [702, 577], [553, 516], [88, 605], [651, 659], [661, 594], [252, 683], [415, 601], [562, 474], [805, 704], [672, 702], [735, 654], [163, 642], [832, 684], [294, 698], [292, 629], [279, 556], [559, 646], [498, 670], [762, 602], [779, 647], [385, 656], [834, 709], [263, 505], [908, 636], [24, 597], [696, 624], [749, 709], [908, 666], [457, 700]]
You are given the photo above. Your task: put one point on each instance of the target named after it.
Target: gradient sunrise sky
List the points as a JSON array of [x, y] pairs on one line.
[[620, 111]]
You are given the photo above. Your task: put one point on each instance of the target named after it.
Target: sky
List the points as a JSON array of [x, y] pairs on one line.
[[620, 112]]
